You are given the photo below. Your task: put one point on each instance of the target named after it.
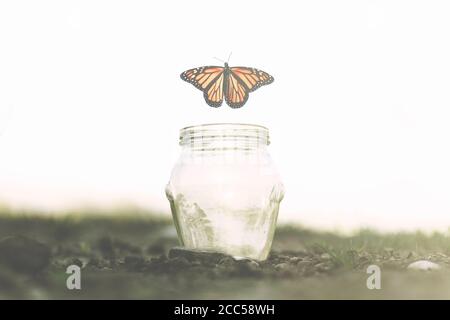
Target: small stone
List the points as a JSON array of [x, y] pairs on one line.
[[295, 260], [285, 269], [325, 256], [246, 268], [281, 266], [227, 262], [424, 265], [23, 254], [323, 267], [249, 264]]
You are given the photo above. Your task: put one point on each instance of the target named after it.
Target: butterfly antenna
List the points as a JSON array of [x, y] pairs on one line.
[[229, 56], [219, 59]]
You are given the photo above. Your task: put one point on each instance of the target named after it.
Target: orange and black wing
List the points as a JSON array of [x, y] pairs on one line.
[[252, 78], [209, 80], [241, 81], [236, 93]]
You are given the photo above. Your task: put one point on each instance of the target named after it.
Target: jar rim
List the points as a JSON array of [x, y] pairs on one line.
[[199, 126], [245, 132]]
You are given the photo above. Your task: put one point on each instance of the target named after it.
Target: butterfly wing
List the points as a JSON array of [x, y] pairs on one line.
[[252, 78], [214, 92], [209, 80], [236, 93], [241, 81]]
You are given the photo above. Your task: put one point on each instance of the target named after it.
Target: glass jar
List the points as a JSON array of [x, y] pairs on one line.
[[224, 191]]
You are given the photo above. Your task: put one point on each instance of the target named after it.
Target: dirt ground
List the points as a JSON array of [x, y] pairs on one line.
[[134, 255]]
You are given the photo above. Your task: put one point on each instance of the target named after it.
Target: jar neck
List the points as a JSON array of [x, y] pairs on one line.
[[224, 137]]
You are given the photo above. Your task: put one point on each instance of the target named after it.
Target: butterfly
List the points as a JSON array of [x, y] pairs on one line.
[[234, 83]]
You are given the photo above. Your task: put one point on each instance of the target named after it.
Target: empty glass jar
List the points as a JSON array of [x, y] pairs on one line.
[[224, 190]]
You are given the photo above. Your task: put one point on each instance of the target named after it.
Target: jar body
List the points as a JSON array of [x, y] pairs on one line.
[[225, 195]]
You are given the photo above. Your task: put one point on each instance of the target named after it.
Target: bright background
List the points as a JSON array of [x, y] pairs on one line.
[[91, 102]]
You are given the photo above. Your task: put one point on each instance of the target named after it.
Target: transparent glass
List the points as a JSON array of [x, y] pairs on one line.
[[224, 190]]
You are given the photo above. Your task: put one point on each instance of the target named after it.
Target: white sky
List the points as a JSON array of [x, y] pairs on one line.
[[91, 102]]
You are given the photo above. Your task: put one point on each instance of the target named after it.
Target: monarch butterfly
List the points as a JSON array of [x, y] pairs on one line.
[[235, 83]]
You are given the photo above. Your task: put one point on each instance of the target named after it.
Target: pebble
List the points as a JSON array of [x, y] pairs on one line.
[[281, 266], [325, 256], [295, 260], [248, 266], [227, 262], [424, 265], [323, 267]]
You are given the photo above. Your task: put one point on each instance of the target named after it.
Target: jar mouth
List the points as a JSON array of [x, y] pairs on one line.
[[243, 132], [225, 124]]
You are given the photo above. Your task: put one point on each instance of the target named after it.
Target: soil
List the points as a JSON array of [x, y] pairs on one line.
[[136, 255]]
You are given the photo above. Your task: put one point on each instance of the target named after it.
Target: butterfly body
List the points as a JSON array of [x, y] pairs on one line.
[[233, 83]]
